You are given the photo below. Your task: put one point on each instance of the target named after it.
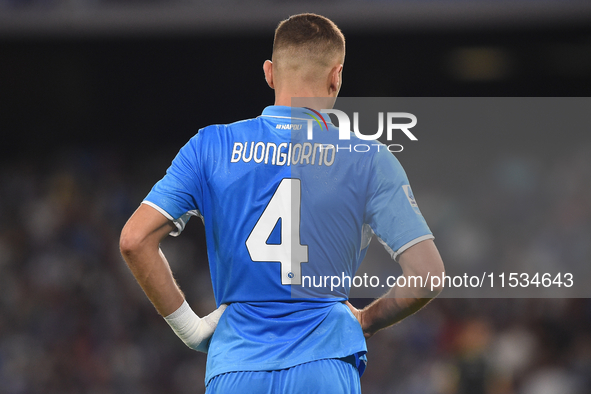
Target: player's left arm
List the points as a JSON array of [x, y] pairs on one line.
[[140, 247], [420, 261], [394, 216]]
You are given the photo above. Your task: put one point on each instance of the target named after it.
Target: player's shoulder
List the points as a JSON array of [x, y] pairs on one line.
[[374, 150]]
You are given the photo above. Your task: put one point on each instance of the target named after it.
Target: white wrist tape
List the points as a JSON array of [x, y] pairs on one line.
[[194, 331]]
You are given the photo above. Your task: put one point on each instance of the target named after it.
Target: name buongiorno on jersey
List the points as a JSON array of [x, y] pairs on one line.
[[307, 153], [284, 154]]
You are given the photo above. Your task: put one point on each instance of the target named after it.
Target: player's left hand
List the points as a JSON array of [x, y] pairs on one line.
[[359, 316]]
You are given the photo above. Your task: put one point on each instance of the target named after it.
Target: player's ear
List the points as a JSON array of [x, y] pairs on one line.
[[268, 69], [335, 79]]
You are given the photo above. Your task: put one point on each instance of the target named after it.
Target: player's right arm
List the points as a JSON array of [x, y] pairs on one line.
[[400, 302], [161, 214], [140, 247], [165, 211]]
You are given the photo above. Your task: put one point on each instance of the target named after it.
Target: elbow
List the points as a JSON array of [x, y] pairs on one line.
[[435, 291], [432, 284], [436, 282], [424, 262], [129, 244], [432, 290]]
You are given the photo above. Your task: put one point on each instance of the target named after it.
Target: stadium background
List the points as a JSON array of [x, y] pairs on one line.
[[97, 96]]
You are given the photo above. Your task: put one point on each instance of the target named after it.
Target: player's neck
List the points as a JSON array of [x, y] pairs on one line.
[[304, 99]]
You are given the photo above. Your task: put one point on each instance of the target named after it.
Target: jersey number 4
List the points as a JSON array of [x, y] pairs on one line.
[[285, 205]]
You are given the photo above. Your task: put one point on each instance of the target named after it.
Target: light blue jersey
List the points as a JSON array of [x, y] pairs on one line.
[[278, 207]]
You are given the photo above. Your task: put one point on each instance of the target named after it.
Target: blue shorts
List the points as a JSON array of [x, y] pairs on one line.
[[330, 376]]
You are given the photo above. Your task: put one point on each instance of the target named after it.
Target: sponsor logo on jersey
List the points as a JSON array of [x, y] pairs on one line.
[[411, 198], [289, 126]]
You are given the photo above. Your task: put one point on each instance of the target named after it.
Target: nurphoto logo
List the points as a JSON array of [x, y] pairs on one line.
[[392, 124]]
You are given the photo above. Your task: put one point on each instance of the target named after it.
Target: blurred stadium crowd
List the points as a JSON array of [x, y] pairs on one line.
[[72, 319]]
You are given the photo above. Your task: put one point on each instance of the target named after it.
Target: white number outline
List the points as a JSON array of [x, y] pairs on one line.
[[290, 257]]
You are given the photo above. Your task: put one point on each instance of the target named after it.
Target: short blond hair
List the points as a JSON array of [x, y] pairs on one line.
[[308, 38]]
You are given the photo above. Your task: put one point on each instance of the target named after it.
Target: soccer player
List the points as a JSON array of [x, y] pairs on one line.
[[281, 203]]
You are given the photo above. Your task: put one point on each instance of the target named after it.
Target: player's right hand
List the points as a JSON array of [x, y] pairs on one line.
[[194, 331], [211, 321]]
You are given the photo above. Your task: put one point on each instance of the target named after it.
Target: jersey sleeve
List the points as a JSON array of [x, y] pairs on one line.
[[178, 194], [391, 209]]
